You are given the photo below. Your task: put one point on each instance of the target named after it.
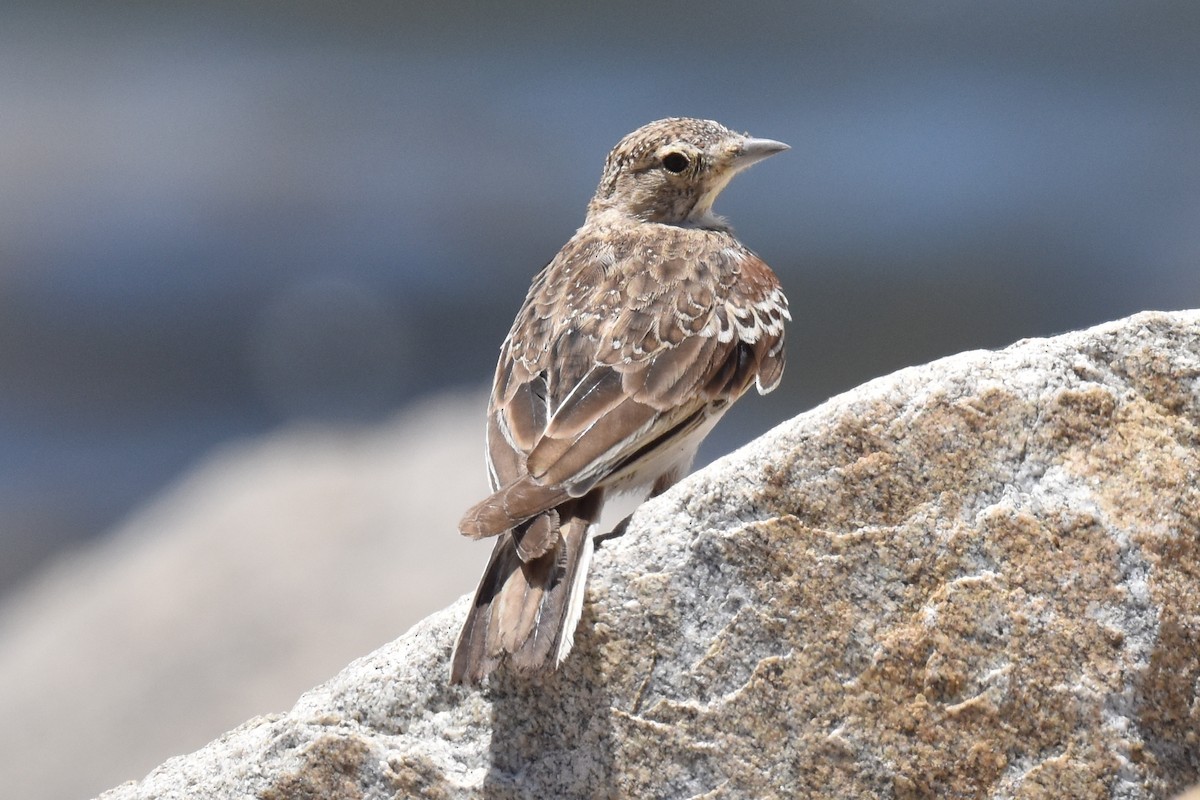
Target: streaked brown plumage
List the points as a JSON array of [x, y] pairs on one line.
[[630, 346]]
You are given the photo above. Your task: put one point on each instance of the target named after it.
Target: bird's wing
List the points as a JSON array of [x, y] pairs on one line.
[[617, 351]]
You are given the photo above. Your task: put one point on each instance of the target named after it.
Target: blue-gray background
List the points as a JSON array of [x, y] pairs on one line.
[[215, 220]]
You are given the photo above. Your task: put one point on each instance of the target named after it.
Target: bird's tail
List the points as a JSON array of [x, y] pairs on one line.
[[526, 611]]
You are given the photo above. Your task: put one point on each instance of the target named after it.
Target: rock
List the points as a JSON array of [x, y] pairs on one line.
[[973, 578], [264, 570]]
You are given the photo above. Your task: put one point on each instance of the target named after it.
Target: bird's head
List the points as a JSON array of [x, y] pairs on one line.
[[672, 170]]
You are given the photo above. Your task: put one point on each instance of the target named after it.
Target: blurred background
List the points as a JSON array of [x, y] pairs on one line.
[[256, 261]]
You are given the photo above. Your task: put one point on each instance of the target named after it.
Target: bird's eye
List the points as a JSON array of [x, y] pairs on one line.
[[675, 162]]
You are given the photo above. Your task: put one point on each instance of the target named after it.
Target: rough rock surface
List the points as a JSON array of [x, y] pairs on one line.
[[975, 578]]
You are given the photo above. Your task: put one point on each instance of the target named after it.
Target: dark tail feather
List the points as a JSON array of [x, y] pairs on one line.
[[511, 505], [526, 611]]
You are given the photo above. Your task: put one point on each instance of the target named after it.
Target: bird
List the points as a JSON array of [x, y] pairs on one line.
[[630, 345]]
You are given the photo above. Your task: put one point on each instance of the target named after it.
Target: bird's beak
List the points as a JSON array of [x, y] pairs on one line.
[[744, 153], [754, 150]]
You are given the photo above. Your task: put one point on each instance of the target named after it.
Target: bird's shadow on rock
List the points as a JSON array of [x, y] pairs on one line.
[[552, 734]]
